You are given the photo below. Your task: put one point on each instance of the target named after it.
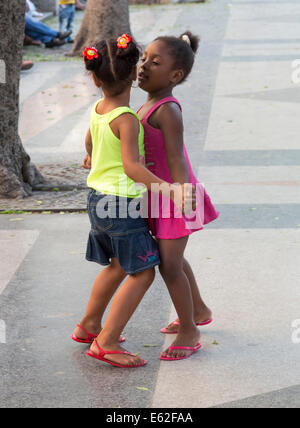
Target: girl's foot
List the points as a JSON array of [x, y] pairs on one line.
[[201, 317], [82, 333], [183, 339], [124, 359]]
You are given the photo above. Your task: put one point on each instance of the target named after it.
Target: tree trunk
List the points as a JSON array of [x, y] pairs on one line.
[[103, 19], [17, 173]]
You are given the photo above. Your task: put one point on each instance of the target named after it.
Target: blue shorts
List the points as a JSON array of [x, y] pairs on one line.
[[115, 234]]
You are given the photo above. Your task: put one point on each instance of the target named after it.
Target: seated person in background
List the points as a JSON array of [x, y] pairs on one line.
[[32, 10], [41, 32], [28, 41]]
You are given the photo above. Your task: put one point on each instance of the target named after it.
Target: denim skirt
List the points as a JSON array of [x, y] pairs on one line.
[[119, 230]]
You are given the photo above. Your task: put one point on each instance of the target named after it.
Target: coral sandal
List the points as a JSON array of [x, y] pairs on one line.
[[101, 353], [90, 336], [185, 348], [199, 324]]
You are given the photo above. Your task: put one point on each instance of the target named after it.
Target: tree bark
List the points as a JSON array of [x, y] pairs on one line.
[[17, 173], [103, 19]]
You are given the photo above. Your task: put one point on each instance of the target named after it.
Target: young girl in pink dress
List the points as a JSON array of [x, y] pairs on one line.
[[166, 63]]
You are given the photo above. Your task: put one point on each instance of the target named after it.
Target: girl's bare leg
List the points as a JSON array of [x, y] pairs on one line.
[[172, 270], [104, 288], [123, 306], [201, 311]]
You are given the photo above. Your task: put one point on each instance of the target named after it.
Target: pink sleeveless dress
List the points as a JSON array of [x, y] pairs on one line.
[[164, 219]]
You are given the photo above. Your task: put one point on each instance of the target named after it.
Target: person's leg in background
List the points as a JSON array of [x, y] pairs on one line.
[[39, 31], [70, 25], [62, 17], [66, 19]]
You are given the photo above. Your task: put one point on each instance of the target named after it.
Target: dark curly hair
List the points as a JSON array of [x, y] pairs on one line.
[[183, 50], [114, 65]]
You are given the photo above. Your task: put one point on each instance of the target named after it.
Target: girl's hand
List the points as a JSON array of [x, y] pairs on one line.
[[87, 163], [184, 196]]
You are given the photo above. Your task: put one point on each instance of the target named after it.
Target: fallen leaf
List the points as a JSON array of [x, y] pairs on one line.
[[16, 219], [141, 388], [150, 346]]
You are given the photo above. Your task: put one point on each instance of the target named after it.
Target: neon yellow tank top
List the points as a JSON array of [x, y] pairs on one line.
[[107, 173]]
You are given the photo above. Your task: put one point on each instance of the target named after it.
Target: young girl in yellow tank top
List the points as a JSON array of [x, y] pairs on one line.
[[119, 238]]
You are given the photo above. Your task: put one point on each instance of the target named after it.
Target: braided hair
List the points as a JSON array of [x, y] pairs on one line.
[[113, 65]]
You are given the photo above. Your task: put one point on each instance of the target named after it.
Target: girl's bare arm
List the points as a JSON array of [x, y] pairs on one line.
[[129, 133], [87, 162], [169, 121], [89, 143]]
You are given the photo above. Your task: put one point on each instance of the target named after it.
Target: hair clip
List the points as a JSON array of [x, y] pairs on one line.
[[90, 53], [123, 41]]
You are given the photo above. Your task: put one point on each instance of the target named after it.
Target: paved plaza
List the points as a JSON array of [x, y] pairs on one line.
[[241, 115]]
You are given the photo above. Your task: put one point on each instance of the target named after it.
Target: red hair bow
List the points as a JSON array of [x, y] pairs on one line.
[[90, 53], [123, 41]]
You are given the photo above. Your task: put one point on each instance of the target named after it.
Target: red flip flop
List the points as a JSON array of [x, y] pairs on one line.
[[199, 324], [102, 353], [90, 337], [185, 348]]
